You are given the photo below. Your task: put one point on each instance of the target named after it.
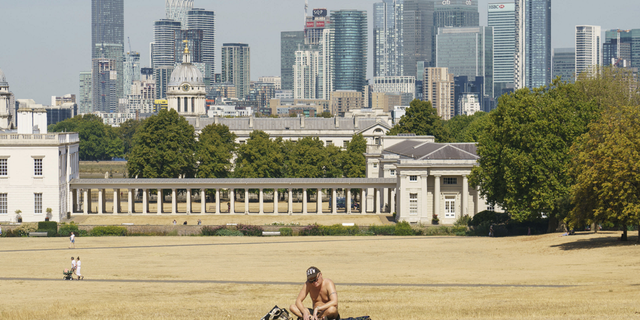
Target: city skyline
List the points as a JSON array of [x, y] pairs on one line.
[[44, 57]]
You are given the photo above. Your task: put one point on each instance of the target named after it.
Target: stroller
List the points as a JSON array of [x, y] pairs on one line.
[[68, 274]]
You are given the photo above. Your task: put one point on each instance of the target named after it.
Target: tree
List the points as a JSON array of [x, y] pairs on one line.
[[606, 168], [354, 163], [215, 148], [524, 150], [164, 147], [97, 140], [308, 158], [259, 157], [126, 132], [325, 114], [465, 128], [421, 119]]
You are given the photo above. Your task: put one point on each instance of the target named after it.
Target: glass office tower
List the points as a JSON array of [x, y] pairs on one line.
[[201, 19], [564, 64], [456, 13], [537, 43], [289, 42], [622, 48], [588, 48], [501, 17], [107, 24], [236, 67], [349, 49], [387, 38], [177, 10], [417, 19]]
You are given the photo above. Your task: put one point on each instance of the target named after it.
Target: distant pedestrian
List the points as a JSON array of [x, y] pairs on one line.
[[72, 240], [185, 222], [74, 265], [491, 231], [175, 222], [199, 223], [228, 207], [78, 264]]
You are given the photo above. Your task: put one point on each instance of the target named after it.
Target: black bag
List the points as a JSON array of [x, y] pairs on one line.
[[277, 314]]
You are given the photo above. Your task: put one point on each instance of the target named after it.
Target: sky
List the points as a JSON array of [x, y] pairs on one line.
[[45, 44]]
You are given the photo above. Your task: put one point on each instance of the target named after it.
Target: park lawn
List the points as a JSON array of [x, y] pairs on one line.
[[193, 277]]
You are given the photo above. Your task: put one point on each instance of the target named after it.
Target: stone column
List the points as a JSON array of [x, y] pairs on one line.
[[319, 202], [145, 201], [86, 201], [392, 201], [116, 201], [348, 201], [159, 191], [130, 200], [232, 200], [188, 201], [290, 201], [304, 200], [377, 196], [74, 201], [363, 200], [218, 201], [203, 201], [261, 201], [465, 195], [334, 201], [275, 201], [101, 201], [424, 195], [436, 197], [174, 202], [246, 200]]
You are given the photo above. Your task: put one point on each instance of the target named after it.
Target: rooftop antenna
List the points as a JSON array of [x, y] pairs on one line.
[[306, 7]]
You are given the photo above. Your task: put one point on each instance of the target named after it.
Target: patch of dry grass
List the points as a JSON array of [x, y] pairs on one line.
[[602, 270]]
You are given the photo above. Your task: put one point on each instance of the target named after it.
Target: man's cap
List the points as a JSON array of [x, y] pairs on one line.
[[312, 273]]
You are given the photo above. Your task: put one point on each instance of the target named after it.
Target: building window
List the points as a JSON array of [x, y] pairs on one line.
[[377, 141], [392, 172], [37, 203], [413, 178], [375, 166], [329, 143], [345, 144], [3, 203], [37, 167], [413, 203], [491, 208], [450, 207], [450, 180], [3, 167]]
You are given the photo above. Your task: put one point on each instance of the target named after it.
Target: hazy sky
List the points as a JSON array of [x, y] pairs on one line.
[[44, 44]]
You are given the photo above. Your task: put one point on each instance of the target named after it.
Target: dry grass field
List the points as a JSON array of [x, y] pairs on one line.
[[587, 276]]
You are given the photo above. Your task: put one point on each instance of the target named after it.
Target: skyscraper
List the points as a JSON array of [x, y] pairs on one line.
[[622, 48], [349, 49], [236, 67], [467, 52], [417, 36], [131, 71], [107, 41], [112, 52], [289, 43], [588, 46], [439, 88], [564, 64], [314, 27], [163, 47], [387, 38], [201, 19], [84, 94], [177, 10], [305, 74], [104, 84], [533, 43], [501, 17], [456, 13]]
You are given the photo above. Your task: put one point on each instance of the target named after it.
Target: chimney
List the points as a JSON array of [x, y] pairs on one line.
[[335, 119], [40, 120], [251, 122], [25, 120], [302, 121], [355, 122]]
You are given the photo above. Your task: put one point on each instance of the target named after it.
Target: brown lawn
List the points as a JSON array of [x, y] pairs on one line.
[[387, 278]]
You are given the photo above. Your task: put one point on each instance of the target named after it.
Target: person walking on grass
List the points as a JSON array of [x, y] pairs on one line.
[[74, 265], [72, 240], [324, 298], [78, 264]]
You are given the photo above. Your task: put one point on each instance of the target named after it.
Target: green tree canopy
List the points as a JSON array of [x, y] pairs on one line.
[[164, 147], [606, 168], [308, 158], [465, 128], [524, 150], [259, 157], [215, 148], [126, 132], [354, 163], [97, 140], [421, 119]]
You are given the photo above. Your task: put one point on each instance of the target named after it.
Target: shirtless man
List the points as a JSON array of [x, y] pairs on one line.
[[323, 295]]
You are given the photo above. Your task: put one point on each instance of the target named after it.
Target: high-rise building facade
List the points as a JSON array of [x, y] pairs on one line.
[[177, 10], [622, 48], [467, 51], [387, 38], [588, 48], [501, 17], [417, 36], [84, 95], [107, 24], [404, 86], [236, 67], [131, 71], [314, 27], [193, 38], [456, 13], [164, 43], [305, 74], [201, 19], [290, 42], [349, 49], [104, 85], [564, 64], [325, 66], [439, 88], [532, 60]]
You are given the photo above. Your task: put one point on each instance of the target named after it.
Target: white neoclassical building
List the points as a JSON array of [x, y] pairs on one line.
[[186, 91]]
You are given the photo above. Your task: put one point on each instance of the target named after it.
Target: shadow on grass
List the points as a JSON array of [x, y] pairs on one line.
[[581, 243]]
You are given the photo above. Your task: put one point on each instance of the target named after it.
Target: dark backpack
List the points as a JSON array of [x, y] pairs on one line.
[[277, 314]]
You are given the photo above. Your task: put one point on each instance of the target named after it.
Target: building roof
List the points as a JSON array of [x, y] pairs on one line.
[[418, 150], [267, 124]]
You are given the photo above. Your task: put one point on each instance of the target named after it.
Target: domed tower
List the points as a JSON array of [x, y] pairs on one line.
[[186, 92], [6, 99]]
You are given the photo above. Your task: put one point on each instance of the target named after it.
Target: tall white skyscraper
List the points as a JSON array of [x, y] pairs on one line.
[[387, 38], [501, 17], [588, 44], [236, 67], [201, 19], [532, 61], [177, 10], [305, 74]]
